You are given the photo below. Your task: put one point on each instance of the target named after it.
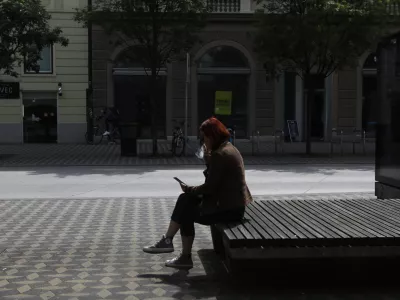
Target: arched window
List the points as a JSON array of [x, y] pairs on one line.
[[129, 58], [223, 73], [223, 57]]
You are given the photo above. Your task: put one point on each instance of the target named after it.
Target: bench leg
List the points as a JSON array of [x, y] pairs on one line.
[[217, 241]]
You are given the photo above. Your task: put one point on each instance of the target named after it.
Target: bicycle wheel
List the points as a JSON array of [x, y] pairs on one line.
[[90, 142], [173, 146], [114, 138], [97, 136], [178, 146]]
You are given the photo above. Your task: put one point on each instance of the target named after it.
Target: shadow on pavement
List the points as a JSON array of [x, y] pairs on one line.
[[301, 279]]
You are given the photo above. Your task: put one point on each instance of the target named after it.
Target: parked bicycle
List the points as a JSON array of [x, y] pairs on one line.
[[232, 132], [99, 133], [178, 140]]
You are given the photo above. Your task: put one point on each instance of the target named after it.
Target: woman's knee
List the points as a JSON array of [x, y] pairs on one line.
[[187, 229], [181, 201]]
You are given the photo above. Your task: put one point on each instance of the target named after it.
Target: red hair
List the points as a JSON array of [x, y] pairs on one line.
[[214, 129]]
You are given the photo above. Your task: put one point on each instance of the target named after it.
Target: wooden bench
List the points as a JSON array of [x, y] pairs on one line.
[[311, 229]]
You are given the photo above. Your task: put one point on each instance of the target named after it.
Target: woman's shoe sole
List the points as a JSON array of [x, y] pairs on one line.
[[158, 251]]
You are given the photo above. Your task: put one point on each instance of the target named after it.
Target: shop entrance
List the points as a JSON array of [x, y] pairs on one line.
[[131, 92], [40, 118]]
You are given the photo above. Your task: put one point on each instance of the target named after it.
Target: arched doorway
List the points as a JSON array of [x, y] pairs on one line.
[[131, 79], [222, 87], [370, 94]]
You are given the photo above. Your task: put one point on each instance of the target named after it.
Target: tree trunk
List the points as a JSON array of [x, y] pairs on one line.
[[89, 115], [153, 105], [309, 86]]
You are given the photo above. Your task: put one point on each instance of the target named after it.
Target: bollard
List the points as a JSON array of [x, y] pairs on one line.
[[278, 134], [254, 141]]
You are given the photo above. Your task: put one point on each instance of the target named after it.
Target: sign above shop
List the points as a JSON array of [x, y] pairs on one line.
[[9, 90]]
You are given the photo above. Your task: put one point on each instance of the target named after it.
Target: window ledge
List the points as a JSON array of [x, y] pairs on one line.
[[38, 75]]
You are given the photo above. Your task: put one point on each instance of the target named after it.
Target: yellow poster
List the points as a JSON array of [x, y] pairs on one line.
[[223, 103]]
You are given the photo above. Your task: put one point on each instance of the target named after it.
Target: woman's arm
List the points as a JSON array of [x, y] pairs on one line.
[[215, 173]]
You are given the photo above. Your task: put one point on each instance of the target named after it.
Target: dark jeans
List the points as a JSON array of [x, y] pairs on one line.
[[187, 212]]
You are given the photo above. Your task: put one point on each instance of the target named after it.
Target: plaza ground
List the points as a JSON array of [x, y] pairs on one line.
[[88, 249], [76, 231]]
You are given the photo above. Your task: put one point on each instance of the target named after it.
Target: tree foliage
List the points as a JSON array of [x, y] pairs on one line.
[[155, 31], [314, 38], [159, 30], [24, 32], [318, 36]]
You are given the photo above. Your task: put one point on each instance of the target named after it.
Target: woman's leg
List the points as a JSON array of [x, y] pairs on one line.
[[184, 206], [186, 225]]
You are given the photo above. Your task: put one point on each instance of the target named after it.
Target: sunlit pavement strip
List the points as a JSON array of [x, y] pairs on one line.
[[91, 249], [157, 181]]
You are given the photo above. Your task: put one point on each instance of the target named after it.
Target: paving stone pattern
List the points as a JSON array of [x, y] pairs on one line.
[[91, 249], [109, 155]]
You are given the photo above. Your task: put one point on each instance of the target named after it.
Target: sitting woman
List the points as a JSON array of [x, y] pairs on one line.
[[222, 198]]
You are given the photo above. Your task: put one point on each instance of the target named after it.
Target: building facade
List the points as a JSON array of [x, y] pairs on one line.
[[50, 107], [223, 68], [225, 65]]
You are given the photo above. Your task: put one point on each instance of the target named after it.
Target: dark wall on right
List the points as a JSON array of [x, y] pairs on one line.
[[388, 130]]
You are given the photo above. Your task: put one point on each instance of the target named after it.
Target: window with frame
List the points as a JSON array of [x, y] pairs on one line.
[[45, 63]]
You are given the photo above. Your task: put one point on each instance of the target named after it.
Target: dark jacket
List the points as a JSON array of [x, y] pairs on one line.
[[225, 186]]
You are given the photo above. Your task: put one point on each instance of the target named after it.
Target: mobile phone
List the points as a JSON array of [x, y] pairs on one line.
[[180, 181]]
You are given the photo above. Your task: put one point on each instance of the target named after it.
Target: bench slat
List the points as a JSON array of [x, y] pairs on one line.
[[256, 222], [319, 225], [334, 220], [285, 221], [268, 224], [323, 220], [249, 227], [244, 231], [225, 229], [359, 215], [390, 214], [274, 221], [236, 232], [389, 202], [297, 218], [361, 226], [365, 212], [316, 223]]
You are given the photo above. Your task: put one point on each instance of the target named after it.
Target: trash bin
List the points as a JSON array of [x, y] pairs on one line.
[[128, 139]]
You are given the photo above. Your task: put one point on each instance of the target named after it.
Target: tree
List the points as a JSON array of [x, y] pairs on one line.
[[314, 38], [24, 32], [160, 30]]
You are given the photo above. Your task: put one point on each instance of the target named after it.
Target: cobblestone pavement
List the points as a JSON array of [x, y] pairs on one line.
[[91, 249], [109, 155]]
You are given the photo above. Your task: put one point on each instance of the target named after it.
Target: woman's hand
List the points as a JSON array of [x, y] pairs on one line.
[[184, 187]]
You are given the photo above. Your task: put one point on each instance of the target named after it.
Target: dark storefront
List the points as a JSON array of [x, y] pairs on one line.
[[388, 134]]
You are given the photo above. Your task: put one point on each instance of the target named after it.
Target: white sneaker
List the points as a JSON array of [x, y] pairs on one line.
[[106, 133], [180, 262]]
